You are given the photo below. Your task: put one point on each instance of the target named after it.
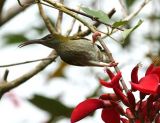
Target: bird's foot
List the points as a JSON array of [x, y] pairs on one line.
[[103, 64], [113, 64]]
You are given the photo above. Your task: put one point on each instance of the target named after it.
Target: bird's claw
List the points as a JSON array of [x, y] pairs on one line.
[[113, 64]]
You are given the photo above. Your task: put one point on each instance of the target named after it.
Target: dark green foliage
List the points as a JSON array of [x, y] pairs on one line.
[[14, 38], [54, 107], [130, 3]]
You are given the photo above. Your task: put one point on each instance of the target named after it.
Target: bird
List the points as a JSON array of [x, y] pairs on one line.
[[78, 52]]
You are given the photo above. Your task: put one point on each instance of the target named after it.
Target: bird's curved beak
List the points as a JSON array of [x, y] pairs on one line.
[[36, 41]]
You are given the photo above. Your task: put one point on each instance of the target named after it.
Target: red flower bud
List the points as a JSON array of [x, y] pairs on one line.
[[120, 95], [95, 36]]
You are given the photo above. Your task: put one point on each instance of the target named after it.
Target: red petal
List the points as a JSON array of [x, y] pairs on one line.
[[106, 84], [149, 70], [129, 114], [110, 74], [131, 100], [85, 108], [148, 84], [110, 115], [137, 121], [120, 94], [115, 80], [158, 90], [124, 120], [134, 74]]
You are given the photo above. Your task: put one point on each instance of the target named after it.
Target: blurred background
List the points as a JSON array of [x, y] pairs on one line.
[[51, 95]]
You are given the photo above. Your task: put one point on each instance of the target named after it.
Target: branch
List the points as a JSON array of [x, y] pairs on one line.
[[133, 14], [45, 18], [20, 63], [4, 87], [1, 7], [124, 7], [92, 17], [5, 75], [59, 19], [13, 11]]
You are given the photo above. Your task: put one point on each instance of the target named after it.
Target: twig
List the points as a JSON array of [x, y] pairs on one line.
[[2, 2], [133, 14], [109, 54], [45, 18], [26, 62], [92, 17], [4, 87], [72, 25], [5, 75], [59, 19], [68, 32], [124, 7], [13, 11]]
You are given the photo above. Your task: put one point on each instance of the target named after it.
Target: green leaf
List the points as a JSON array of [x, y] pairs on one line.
[[119, 23], [14, 38], [127, 32], [52, 106], [101, 15], [130, 3], [39, 29]]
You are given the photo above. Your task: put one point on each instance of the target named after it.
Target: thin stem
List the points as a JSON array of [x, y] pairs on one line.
[[5, 75], [13, 11], [25, 62], [124, 7], [4, 87], [133, 14], [45, 18], [93, 18], [109, 54], [59, 19], [72, 25]]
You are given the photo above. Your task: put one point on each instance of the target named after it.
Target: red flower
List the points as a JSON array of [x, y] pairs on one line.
[[150, 83], [109, 114], [114, 80]]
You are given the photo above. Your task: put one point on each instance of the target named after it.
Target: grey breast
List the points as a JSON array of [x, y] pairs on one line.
[[78, 52]]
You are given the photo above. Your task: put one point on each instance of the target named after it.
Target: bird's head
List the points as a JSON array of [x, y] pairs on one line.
[[49, 40]]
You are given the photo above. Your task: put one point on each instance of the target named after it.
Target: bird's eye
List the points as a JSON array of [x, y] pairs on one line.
[[47, 37]]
